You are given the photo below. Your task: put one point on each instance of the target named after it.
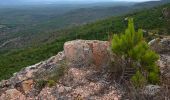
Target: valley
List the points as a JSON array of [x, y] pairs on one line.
[[36, 24]]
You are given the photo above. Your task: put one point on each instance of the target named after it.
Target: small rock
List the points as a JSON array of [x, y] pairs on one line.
[[61, 89], [160, 45], [27, 85], [151, 90], [68, 89]]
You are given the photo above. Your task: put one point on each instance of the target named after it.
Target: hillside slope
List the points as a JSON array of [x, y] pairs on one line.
[[152, 20], [40, 20], [35, 25]]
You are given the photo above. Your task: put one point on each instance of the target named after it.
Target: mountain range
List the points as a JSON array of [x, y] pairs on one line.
[[25, 26]]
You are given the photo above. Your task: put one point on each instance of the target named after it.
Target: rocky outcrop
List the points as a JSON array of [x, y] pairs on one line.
[[82, 84], [85, 52], [86, 76], [80, 73]]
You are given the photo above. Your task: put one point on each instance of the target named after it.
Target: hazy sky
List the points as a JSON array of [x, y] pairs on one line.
[[18, 2], [72, 0], [99, 0]]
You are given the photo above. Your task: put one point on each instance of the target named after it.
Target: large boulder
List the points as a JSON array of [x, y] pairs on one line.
[[81, 53]]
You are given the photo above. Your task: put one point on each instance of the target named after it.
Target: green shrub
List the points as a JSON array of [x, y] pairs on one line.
[[53, 73], [40, 84], [136, 51], [58, 72], [138, 80], [153, 77], [50, 77], [51, 83]]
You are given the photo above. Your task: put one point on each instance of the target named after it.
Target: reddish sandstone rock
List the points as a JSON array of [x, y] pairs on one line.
[[100, 53], [86, 52]]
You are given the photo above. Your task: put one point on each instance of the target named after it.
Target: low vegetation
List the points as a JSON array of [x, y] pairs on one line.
[[50, 76], [40, 84]]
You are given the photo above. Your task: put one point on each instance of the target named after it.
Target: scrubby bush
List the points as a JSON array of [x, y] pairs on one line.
[[132, 47], [58, 72], [54, 72], [49, 77], [40, 84], [51, 83]]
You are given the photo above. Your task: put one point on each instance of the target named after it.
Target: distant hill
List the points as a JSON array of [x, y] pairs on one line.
[[30, 23], [151, 4], [34, 25]]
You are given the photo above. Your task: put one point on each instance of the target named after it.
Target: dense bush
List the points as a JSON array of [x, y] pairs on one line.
[[138, 80], [132, 47]]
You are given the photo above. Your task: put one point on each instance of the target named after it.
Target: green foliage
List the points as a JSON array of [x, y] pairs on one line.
[[53, 74], [153, 77], [122, 44], [40, 84], [149, 58], [58, 72], [132, 46], [138, 80], [134, 52], [16, 60], [51, 83]]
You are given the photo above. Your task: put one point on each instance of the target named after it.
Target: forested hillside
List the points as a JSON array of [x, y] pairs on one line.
[[152, 21], [38, 21], [25, 26]]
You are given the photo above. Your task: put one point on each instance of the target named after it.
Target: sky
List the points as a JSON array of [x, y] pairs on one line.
[[17, 2], [72, 0], [99, 0]]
